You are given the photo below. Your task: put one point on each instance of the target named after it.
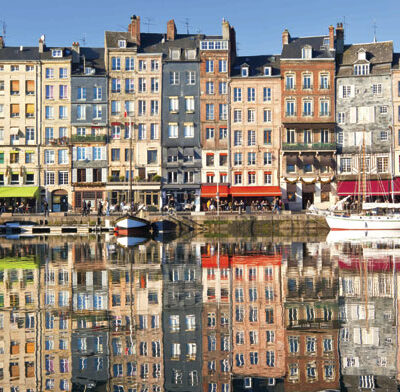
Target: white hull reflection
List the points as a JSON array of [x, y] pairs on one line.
[[128, 242], [362, 235]]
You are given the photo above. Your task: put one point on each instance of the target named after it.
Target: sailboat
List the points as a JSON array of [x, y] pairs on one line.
[[364, 219], [130, 224]]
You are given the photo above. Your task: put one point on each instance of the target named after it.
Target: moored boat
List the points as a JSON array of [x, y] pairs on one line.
[[130, 225]]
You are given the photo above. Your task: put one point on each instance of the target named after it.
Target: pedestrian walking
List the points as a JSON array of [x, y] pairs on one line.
[[100, 209], [46, 208]]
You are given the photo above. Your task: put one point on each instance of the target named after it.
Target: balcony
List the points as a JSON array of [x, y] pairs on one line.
[[61, 141], [309, 147], [290, 114], [88, 139]]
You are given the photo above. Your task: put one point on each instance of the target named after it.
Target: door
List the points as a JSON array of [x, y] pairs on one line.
[[64, 203]]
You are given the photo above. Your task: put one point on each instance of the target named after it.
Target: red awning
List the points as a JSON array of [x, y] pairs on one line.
[[374, 188], [381, 264], [211, 190], [396, 186], [260, 191], [213, 262]]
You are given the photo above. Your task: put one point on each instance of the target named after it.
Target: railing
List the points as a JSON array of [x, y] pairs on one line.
[[305, 114], [290, 114], [88, 138], [62, 141], [305, 146]]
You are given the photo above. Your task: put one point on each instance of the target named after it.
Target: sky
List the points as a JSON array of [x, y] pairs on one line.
[[258, 23]]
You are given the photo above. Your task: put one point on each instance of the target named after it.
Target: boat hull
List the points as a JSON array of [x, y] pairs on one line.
[[360, 222], [132, 222]]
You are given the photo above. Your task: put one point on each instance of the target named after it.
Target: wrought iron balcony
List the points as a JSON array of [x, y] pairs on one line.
[[88, 138], [309, 147]]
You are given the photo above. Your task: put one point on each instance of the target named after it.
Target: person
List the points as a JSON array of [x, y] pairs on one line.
[[280, 205], [308, 204], [46, 208], [121, 206], [89, 207], [275, 205], [171, 204], [100, 209], [107, 207]]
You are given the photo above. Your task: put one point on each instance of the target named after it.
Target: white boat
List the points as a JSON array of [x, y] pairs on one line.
[[363, 222], [127, 242], [132, 222], [359, 236]]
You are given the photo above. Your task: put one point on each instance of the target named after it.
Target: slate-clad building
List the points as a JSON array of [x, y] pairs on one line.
[[364, 114], [181, 149], [89, 126]]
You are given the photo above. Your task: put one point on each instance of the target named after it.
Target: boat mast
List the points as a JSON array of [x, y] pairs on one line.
[[363, 174], [130, 163]]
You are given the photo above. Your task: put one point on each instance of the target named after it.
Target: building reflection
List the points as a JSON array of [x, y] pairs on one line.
[[209, 316]]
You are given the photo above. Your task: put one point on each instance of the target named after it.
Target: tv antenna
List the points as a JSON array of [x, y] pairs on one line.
[[3, 28], [374, 26], [83, 39], [187, 24], [148, 22]]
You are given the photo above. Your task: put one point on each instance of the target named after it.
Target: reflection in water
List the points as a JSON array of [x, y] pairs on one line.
[[91, 315]]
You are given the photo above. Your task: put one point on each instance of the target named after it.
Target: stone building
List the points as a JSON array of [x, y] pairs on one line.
[[134, 76], [365, 115], [255, 104], [217, 53], [396, 118], [308, 117], [89, 126], [181, 149]]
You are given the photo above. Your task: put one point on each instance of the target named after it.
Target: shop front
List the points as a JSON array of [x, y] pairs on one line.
[[59, 200], [22, 199], [375, 190]]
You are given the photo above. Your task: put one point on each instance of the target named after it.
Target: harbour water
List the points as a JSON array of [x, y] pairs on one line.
[[93, 314]]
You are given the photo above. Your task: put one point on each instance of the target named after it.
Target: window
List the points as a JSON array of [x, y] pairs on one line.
[[267, 71], [251, 138], [324, 81], [361, 69], [154, 131], [311, 343], [209, 66], [290, 108], [81, 112], [49, 112], [189, 104], [306, 52], [237, 138], [267, 115], [307, 82], [237, 94], [324, 108], [238, 178], [251, 115], [49, 178], [270, 360], [191, 77], [210, 159], [293, 344], [188, 130], [251, 94], [245, 72], [63, 178], [269, 316], [49, 92], [223, 88], [49, 157], [267, 94], [174, 78], [63, 92], [141, 108], [154, 83], [130, 85], [382, 164], [49, 73], [237, 158], [237, 116], [57, 53], [311, 370], [222, 64], [62, 157], [154, 107], [267, 158], [377, 89], [154, 65], [115, 86], [209, 111], [223, 111], [341, 117], [172, 130], [209, 87], [142, 85], [251, 158], [142, 134], [151, 156], [289, 82], [142, 65], [253, 357], [62, 112]]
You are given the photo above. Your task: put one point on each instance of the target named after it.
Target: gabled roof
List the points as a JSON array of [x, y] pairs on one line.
[[319, 51], [181, 41], [256, 65], [146, 39], [92, 57], [14, 53]]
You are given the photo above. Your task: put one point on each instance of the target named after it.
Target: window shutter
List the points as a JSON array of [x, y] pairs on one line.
[[352, 91], [89, 153], [372, 114], [74, 154], [103, 153], [357, 335], [74, 174], [104, 174], [340, 91], [89, 175], [353, 115]]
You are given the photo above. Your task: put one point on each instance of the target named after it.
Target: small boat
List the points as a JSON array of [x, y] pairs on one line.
[[130, 225], [164, 226], [357, 236]]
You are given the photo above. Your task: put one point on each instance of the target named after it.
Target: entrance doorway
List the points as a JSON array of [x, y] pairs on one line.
[[59, 201]]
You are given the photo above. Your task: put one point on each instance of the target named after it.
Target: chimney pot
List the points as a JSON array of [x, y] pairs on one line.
[[331, 38], [134, 29], [1, 42], [285, 37]]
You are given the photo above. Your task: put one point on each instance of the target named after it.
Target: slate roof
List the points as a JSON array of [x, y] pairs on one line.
[[379, 55], [293, 49], [256, 65], [13, 53], [94, 57], [146, 39]]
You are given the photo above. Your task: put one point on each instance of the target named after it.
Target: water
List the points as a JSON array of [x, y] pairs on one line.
[[86, 314]]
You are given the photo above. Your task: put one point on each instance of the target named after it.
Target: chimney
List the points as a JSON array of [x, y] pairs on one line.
[[339, 38], [41, 44], [171, 30], [285, 37], [1, 42], [134, 29], [225, 29], [331, 38], [76, 50]]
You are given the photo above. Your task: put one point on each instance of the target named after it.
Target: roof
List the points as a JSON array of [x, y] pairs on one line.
[[93, 57], [378, 54], [256, 65], [31, 53], [146, 39], [292, 50], [181, 41]]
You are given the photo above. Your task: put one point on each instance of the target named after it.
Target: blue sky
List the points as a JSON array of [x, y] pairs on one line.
[[258, 23]]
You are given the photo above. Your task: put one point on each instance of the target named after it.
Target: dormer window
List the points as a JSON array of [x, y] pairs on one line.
[[191, 54], [122, 43], [361, 69], [326, 42], [267, 71], [89, 71], [306, 52], [245, 72], [56, 53], [175, 54]]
